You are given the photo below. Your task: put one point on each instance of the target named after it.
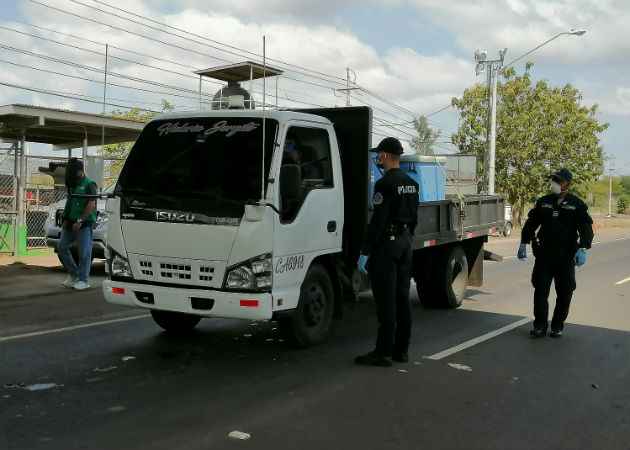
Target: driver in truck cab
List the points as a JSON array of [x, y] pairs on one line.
[[293, 154], [388, 247]]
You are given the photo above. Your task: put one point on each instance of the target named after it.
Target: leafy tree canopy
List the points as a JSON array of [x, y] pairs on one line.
[[540, 129], [423, 144], [117, 153]]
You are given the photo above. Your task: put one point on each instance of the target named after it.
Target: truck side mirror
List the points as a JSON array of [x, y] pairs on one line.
[[290, 182]]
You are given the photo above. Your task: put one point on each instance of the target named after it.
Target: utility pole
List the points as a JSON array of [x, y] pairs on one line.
[[492, 69], [348, 83]]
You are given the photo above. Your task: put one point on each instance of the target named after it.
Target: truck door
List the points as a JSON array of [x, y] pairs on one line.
[[313, 224]]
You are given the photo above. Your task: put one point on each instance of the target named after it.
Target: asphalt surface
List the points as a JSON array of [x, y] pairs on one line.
[[76, 372]]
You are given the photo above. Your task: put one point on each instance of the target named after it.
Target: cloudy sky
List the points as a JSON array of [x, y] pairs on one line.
[[408, 57]]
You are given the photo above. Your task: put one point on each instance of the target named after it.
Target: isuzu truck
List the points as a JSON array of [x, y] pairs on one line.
[[212, 218]]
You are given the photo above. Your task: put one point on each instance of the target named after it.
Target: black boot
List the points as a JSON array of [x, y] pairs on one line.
[[538, 332], [372, 359]]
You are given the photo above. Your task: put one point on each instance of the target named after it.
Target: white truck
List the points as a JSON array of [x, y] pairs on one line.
[[210, 219]]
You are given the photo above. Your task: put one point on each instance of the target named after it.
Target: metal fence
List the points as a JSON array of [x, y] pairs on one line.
[[31, 188], [27, 193]]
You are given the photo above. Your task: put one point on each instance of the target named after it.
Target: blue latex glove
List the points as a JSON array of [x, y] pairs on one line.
[[522, 252], [580, 257], [361, 264]]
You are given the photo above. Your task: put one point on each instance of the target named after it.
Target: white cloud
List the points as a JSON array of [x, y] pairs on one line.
[[521, 25]]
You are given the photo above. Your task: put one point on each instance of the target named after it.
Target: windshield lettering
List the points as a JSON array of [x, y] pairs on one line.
[[169, 128], [222, 126], [231, 130]]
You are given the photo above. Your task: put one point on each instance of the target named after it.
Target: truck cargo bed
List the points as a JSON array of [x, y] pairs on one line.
[[455, 219]]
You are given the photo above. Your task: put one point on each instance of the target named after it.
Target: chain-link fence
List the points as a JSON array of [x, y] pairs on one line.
[[8, 205], [44, 190], [29, 189]]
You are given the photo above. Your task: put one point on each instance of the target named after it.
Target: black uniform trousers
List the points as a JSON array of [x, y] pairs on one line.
[[557, 265], [389, 268]]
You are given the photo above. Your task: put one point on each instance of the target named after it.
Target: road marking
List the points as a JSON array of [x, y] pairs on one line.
[[75, 327], [625, 280], [479, 339]]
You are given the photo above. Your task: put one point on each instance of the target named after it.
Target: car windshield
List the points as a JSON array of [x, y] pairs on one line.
[[199, 164]]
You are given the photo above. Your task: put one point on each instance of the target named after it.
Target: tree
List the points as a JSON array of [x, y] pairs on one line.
[[622, 204], [624, 184], [539, 129], [116, 154], [423, 144]]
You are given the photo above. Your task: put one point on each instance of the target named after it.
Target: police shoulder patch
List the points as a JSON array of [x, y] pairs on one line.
[[378, 198]]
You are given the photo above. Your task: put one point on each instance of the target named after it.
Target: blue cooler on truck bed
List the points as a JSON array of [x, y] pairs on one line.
[[427, 171]]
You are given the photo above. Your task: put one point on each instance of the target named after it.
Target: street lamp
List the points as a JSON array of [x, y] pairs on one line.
[[492, 68]]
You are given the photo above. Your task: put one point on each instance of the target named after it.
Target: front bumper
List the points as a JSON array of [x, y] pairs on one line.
[[98, 247], [229, 305]]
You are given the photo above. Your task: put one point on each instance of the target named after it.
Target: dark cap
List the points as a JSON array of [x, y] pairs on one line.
[[389, 145], [562, 175], [75, 163], [290, 144]]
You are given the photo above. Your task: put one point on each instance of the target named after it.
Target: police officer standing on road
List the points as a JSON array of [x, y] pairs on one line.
[[388, 246], [564, 233]]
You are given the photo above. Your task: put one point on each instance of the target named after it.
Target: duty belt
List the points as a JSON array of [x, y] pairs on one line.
[[396, 229]]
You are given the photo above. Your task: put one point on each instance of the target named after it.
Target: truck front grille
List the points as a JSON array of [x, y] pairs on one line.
[[177, 271], [188, 272]]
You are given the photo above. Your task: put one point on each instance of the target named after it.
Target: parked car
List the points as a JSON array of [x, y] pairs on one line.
[[54, 220]]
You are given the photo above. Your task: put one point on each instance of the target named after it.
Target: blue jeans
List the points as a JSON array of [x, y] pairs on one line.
[[83, 240]]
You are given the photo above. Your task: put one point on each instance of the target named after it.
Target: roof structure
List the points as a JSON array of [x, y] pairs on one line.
[[244, 71], [64, 129]]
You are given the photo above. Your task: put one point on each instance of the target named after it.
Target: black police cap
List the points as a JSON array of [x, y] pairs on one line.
[[562, 175], [389, 145]]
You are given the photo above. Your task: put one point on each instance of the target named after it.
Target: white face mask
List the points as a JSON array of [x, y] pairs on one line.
[[555, 188], [379, 162]]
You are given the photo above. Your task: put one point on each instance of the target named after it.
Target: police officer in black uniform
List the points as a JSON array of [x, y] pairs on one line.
[[388, 246], [564, 233]]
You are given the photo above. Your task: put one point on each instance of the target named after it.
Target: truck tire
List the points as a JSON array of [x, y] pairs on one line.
[[310, 322], [452, 278], [174, 322], [508, 229]]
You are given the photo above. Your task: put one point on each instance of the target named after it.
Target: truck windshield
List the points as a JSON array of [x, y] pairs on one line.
[[198, 164]]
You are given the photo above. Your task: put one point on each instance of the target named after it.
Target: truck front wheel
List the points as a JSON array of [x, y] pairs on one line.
[[453, 279], [175, 322], [311, 320]]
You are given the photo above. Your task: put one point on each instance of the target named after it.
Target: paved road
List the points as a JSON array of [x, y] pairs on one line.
[[505, 392]]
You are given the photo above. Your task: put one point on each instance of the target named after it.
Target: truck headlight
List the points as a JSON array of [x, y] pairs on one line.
[[252, 275], [119, 266]]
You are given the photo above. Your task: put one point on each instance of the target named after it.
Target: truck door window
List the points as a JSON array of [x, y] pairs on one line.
[[309, 148]]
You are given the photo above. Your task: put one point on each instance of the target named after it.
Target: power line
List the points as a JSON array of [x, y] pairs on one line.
[[376, 96], [66, 95], [336, 78], [158, 40], [122, 59]]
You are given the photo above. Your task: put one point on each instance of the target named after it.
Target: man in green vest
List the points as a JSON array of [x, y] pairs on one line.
[[79, 219]]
